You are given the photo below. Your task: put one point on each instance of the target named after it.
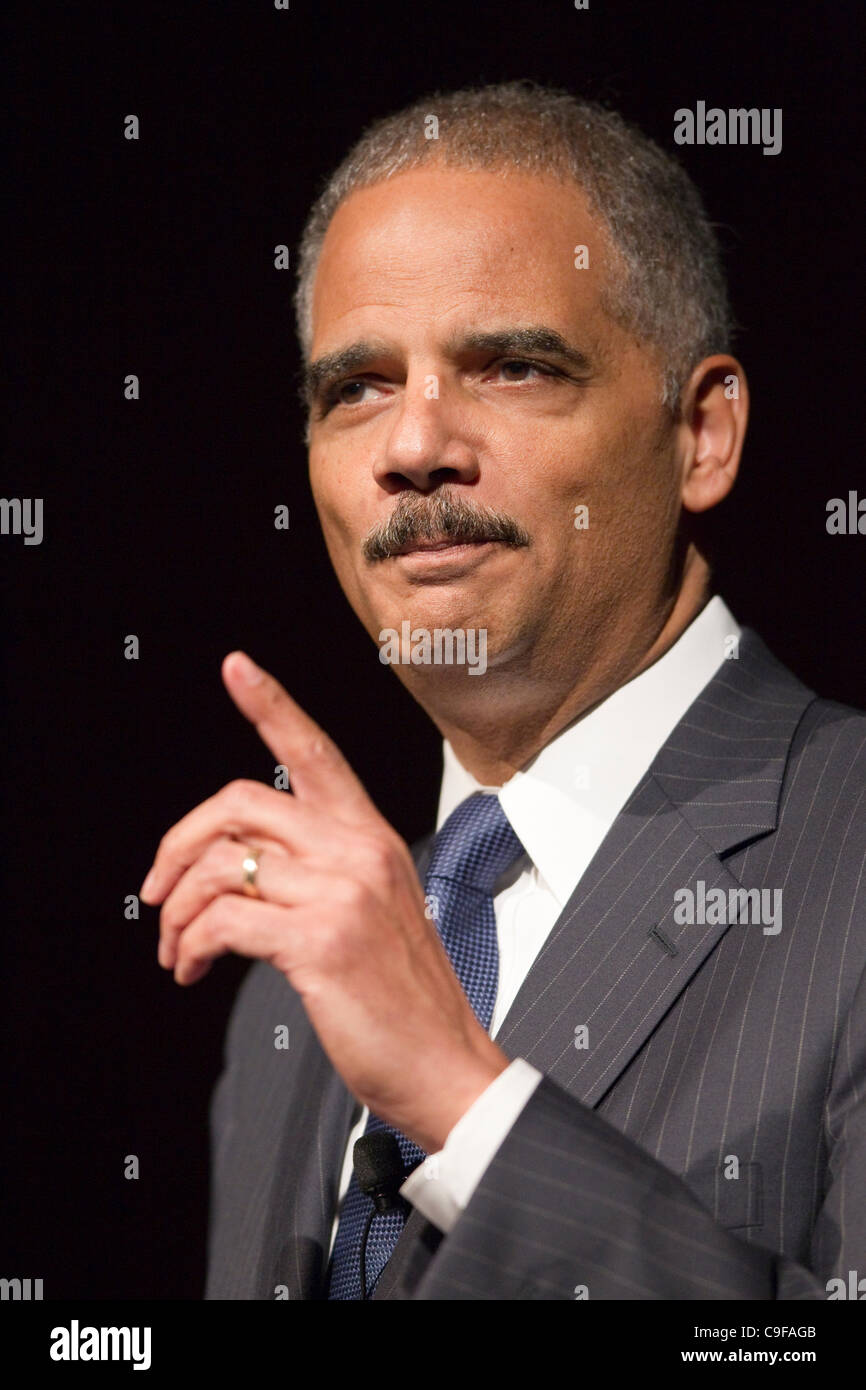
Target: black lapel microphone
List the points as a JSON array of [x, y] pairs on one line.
[[379, 1171]]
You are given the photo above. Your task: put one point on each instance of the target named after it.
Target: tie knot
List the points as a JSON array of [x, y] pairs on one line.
[[475, 845]]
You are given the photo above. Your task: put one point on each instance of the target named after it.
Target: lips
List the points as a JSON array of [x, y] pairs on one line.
[[422, 544]]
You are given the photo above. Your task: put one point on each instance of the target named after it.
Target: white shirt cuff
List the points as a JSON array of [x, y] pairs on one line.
[[442, 1185]]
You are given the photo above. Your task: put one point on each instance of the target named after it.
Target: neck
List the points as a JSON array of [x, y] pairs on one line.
[[519, 713]]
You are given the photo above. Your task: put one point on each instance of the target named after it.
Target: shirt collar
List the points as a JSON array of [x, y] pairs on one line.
[[574, 788]]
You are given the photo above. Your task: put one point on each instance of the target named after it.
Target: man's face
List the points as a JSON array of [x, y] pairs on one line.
[[469, 359]]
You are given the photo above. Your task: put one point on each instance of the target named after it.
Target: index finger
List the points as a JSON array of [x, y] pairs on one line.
[[318, 772]]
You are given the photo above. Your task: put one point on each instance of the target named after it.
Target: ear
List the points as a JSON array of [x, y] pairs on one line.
[[714, 411]]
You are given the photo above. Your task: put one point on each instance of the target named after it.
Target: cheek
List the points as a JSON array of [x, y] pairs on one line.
[[602, 494], [331, 482], [344, 521], [625, 463], [321, 473]]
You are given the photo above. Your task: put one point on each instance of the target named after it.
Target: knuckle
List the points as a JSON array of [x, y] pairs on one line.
[[380, 859], [317, 751], [238, 792], [274, 694], [349, 892]]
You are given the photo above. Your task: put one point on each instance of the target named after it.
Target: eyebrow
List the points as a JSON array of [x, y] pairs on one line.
[[503, 341], [332, 365], [514, 341]]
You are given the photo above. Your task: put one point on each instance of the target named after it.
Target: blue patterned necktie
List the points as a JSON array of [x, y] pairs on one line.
[[474, 847]]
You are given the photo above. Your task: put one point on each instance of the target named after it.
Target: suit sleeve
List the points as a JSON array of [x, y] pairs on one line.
[[572, 1208]]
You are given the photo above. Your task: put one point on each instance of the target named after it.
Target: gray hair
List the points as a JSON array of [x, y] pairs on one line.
[[666, 286]]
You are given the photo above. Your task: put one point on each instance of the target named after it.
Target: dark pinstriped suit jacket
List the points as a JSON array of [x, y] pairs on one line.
[[707, 1043]]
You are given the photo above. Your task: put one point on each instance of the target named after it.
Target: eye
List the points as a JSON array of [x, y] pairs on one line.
[[349, 392], [518, 369]]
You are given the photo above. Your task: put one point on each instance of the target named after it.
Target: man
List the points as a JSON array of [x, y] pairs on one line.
[[613, 1012]]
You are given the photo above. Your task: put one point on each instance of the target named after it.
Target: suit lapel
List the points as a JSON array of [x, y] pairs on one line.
[[616, 959]]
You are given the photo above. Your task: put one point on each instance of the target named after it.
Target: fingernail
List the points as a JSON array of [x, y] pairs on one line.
[[147, 886], [248, 670]]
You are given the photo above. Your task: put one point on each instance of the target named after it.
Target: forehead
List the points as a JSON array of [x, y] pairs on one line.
[[439, 247]]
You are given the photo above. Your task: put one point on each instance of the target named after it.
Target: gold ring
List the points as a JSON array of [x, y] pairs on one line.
[[251, 868]]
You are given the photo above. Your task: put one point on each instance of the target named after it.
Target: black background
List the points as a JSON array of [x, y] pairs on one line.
[[156, 257]]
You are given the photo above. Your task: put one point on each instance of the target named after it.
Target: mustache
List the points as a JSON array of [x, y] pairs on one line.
[[442, 516]]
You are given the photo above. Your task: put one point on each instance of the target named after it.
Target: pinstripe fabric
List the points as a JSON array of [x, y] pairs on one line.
[[707, 1044]]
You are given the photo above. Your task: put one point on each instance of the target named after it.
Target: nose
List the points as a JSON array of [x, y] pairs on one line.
[[428, 442]]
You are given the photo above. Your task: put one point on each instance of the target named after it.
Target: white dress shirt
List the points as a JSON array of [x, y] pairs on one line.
[[561, 807]]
